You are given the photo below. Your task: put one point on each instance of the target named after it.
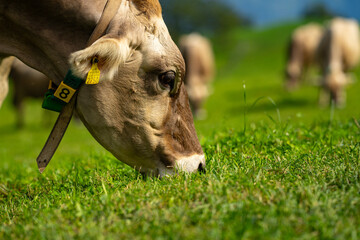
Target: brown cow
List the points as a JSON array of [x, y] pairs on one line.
[[28, 83], [5, 67], [302, 52], [139, 111], [338, 53], [199, 59]]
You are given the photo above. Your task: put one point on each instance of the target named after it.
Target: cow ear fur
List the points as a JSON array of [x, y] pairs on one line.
[[110, 52]]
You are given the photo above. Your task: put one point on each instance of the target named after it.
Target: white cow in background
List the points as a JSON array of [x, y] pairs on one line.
[[5, 67], [200, 67], [338, 53], [302, 53]]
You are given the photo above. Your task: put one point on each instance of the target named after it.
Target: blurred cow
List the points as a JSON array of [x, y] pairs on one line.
[[5, 66], [302, 52], [28, 83], [338, 53], [198, 54]]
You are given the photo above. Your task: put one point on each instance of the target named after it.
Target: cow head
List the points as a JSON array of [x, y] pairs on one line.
[[139, 111]]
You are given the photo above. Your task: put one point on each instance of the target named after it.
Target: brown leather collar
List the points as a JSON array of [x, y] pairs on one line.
[[61, 124]]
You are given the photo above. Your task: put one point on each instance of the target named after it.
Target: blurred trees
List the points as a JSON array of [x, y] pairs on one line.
[[317, 10], [209, 17]]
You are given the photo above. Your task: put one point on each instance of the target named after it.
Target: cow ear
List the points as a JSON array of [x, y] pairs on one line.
[[110, 52]]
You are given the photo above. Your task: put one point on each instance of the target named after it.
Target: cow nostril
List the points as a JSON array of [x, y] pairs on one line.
[[201, 168]]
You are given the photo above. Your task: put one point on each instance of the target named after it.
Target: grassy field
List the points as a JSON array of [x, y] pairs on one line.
[[281, 168]]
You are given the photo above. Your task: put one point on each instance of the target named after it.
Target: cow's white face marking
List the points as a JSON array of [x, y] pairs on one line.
[[191, 163]]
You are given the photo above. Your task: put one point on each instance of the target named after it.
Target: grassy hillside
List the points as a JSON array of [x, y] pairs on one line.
[[293, 174], [257, 59]]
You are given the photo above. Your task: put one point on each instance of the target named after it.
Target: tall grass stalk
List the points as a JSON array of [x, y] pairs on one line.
[[272, 102], [245, 106], [332, 113]]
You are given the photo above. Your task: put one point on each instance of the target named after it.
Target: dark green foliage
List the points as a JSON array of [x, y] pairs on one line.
[[317, 10], [209, 17]]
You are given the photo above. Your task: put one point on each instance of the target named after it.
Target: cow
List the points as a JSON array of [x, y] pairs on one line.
[[338, 53], [140, 109], [5, 67], [28, 83], [302, 53], [199, 58]]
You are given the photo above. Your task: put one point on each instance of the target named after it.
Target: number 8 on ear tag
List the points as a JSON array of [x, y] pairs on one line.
[[93, 76]]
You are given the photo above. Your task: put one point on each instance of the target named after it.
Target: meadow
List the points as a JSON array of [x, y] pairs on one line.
[[278, 166]]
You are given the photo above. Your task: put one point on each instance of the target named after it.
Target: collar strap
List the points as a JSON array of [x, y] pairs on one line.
[[56, 98], [53, 102], [110, 10]]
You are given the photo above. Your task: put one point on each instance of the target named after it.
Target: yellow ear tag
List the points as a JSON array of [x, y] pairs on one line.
[[93, 76]]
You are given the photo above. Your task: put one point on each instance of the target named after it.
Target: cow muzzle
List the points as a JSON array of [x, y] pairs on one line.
[[191, 164]]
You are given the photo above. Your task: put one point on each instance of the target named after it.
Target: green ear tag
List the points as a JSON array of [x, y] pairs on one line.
[[93, 76]]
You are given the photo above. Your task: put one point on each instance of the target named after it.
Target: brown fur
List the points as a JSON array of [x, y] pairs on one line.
[[180, 138], [148, 7]]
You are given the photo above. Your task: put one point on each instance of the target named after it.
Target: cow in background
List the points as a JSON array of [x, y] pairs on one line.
[[338, 53], [28, 83], [302, 53], [5, 66], [198, 55]]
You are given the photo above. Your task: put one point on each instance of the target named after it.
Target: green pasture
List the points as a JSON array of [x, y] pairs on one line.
[[278, 166]]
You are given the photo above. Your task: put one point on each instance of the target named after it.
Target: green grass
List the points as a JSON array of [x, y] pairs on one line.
[[293, 178]]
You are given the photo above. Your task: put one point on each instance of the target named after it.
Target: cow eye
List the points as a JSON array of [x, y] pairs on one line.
[[167, 80]]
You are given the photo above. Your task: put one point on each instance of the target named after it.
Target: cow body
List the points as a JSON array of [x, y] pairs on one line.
[[338, 53], [302, 52], [139, 111], [199, 59]]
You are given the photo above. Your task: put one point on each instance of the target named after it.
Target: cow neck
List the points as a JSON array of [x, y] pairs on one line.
[[110, 10], [66, 113]]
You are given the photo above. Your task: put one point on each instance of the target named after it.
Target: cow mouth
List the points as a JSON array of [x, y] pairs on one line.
[[191, 164]]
